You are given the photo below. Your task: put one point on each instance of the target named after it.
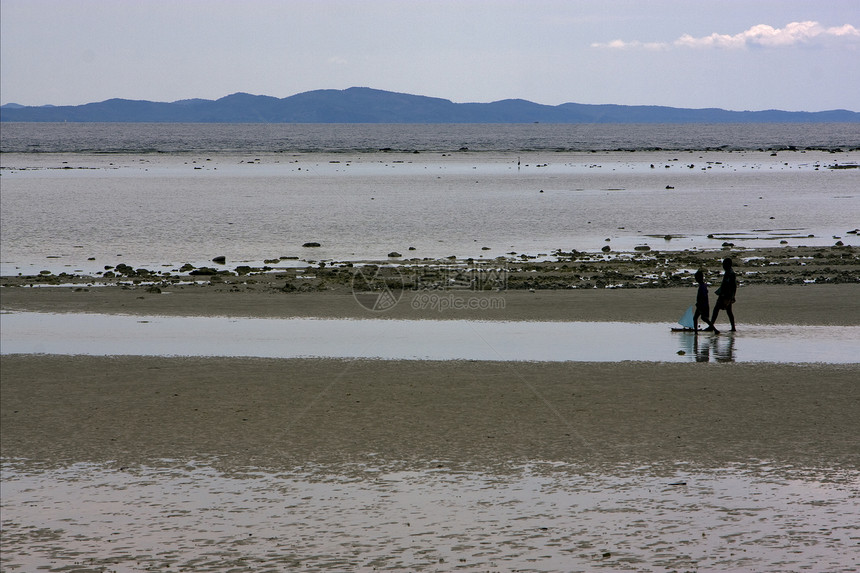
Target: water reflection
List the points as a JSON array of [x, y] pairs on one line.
[[707, 347], [105, 335]]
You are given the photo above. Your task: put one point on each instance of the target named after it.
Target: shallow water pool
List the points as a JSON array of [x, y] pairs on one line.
[[105, 335]]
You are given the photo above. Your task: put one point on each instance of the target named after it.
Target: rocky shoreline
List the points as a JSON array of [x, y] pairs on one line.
[[839, 264]]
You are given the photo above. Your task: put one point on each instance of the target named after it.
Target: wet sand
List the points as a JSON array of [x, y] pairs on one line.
[[281, 413], [253, 464], [219, 464]]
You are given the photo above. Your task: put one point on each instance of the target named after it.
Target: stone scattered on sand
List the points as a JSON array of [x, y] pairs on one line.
[[124, 269], [642, 248], [312, 244], [605, 249], [394, 254], [220, 259]]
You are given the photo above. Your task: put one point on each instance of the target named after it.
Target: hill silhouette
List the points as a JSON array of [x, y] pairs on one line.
[[366, 105]]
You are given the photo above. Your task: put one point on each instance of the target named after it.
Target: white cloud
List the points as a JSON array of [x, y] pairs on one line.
[[759, 35]]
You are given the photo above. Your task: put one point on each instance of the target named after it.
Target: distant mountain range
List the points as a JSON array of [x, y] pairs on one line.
[[366, 105]]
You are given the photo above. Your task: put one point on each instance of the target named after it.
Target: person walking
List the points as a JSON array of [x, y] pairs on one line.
[[703, 308], [725, 294]]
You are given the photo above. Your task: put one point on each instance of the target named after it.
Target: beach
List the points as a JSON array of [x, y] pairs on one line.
[[195, 447], [220, 463]]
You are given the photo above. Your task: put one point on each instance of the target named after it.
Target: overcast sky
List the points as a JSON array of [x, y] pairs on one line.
[[733, 54]]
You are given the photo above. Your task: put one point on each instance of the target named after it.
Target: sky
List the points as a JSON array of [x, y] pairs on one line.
[[798, 55]]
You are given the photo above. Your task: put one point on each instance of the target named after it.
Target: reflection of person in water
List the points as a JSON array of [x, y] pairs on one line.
[[723, 349], [703, 309], [725, 294], [703, 350], [717, 348]]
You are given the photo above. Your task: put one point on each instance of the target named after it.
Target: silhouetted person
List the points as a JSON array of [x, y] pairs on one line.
[[703, 308], [725, 294]]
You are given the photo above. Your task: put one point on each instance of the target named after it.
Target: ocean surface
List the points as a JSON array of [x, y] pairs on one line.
[[79, 197], [344, 138]]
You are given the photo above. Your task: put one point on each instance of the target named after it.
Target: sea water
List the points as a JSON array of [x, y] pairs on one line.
[[79, 197], [498, 341], [138, 138]]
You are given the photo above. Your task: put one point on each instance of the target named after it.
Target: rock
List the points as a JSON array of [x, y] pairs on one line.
[[312, 244], [124, 269], [727, 244], [154, 290], [641, 248], [411, 248], [394, 254], [606, 249], [669, 187], [220, 259]]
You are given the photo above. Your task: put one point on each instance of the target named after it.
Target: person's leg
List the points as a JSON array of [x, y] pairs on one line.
[[714, 315], [696, 316], [731, 316]]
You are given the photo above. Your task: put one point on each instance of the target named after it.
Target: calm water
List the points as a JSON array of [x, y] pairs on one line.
[[267, 138], [153, 195], [105, 335]]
